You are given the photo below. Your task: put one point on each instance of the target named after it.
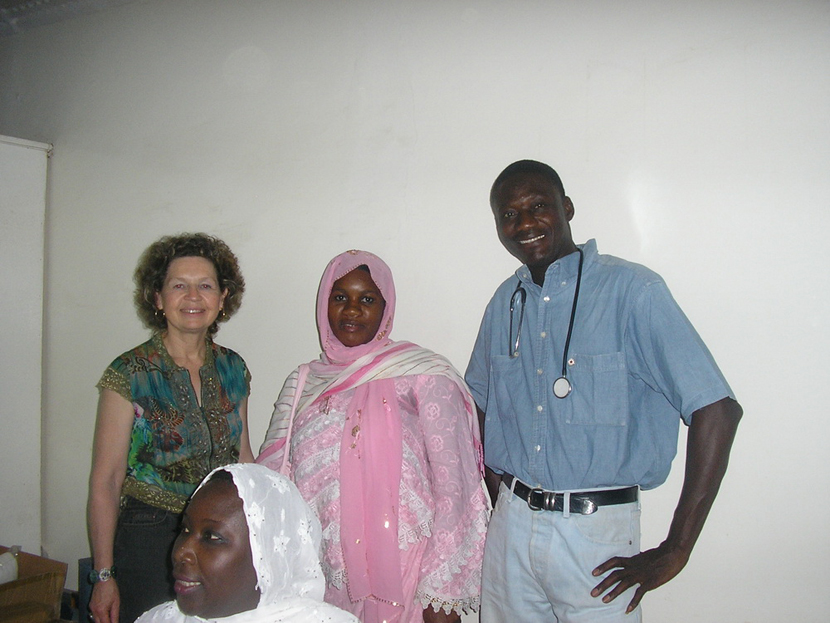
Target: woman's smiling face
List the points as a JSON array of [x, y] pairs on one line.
[[212, 564], [190, 297], [355, 308]]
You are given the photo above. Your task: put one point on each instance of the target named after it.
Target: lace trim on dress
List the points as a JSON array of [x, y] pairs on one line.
[[335, 577], [409, 535], [460, 606], [465, 555]]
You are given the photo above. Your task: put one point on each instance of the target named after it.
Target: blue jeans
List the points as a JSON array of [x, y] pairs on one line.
[[537, 564], [143, 545]]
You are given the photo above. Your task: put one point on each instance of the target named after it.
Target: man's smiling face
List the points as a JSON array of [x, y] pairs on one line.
[[532, 218]]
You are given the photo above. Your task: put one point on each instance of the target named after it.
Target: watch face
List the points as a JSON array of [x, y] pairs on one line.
[[100, 576]]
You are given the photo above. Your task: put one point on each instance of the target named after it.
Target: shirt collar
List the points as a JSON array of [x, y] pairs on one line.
[[566, 267]]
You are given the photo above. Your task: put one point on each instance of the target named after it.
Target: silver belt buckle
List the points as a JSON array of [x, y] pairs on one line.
[[587, 507], [548, 499]]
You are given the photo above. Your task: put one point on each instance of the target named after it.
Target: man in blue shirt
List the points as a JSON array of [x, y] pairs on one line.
[[582, 369]]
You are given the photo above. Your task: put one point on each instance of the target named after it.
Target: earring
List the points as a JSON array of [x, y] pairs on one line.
[[160, 315], [222, 314]]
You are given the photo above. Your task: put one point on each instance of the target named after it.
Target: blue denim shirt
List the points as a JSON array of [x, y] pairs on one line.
[[635, 362]]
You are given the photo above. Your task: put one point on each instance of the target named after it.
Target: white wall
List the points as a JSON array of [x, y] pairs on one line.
[[692, 137]]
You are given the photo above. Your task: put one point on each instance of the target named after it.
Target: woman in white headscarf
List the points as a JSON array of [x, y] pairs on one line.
[[247, 552]]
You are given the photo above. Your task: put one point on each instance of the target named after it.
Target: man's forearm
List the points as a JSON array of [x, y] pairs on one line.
[[708, 446], [707, 456]]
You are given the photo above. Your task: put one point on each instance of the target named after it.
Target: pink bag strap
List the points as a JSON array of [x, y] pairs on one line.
[[302, 375]]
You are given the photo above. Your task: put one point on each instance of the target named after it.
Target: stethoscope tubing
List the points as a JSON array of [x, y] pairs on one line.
[[522, 294], [573, 314], [514, 352]]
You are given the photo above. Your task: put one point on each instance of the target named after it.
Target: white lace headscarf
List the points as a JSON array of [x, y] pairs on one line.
[[285, 543]]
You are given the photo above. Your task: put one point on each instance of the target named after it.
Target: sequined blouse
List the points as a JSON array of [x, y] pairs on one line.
[[175, 441]]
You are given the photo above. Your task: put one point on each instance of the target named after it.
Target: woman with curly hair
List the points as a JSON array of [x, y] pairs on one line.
[[170, 411]]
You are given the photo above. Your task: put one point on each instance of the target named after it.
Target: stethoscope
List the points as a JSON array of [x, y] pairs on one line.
[[561, 386]]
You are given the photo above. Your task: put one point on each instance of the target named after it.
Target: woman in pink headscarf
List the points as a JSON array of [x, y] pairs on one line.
[[382, 441]]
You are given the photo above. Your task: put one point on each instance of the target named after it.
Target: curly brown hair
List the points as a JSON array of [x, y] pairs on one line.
[[152, 267]]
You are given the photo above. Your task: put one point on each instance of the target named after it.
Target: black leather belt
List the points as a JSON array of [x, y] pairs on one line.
[[582, 503]]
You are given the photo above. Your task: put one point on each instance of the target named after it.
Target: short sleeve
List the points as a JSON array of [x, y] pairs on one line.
[[477, 375], [117, 381], [670, 356]]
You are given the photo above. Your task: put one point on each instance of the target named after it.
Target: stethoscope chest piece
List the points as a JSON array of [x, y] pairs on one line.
[[562, 387]]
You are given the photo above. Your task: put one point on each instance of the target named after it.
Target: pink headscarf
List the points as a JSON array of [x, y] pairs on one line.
[[334, 352]]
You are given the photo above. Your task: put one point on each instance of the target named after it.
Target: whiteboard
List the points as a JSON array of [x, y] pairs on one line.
[[22, 214]]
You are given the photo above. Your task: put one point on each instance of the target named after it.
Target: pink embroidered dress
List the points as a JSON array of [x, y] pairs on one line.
[[384, 446]]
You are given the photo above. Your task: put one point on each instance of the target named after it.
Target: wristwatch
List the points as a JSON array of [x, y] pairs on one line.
[[102, 575]]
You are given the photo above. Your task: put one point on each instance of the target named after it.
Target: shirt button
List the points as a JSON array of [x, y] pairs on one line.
[[571, 361], [540, 372], [546, 299], [564, 283], [544, 334], [539, 408], [538, 448]]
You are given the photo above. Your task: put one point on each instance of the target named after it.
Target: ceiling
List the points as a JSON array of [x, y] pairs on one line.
[[18, 16]]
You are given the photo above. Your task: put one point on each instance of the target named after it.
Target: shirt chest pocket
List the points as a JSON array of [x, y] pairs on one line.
[[509, 387], [600, 390]]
